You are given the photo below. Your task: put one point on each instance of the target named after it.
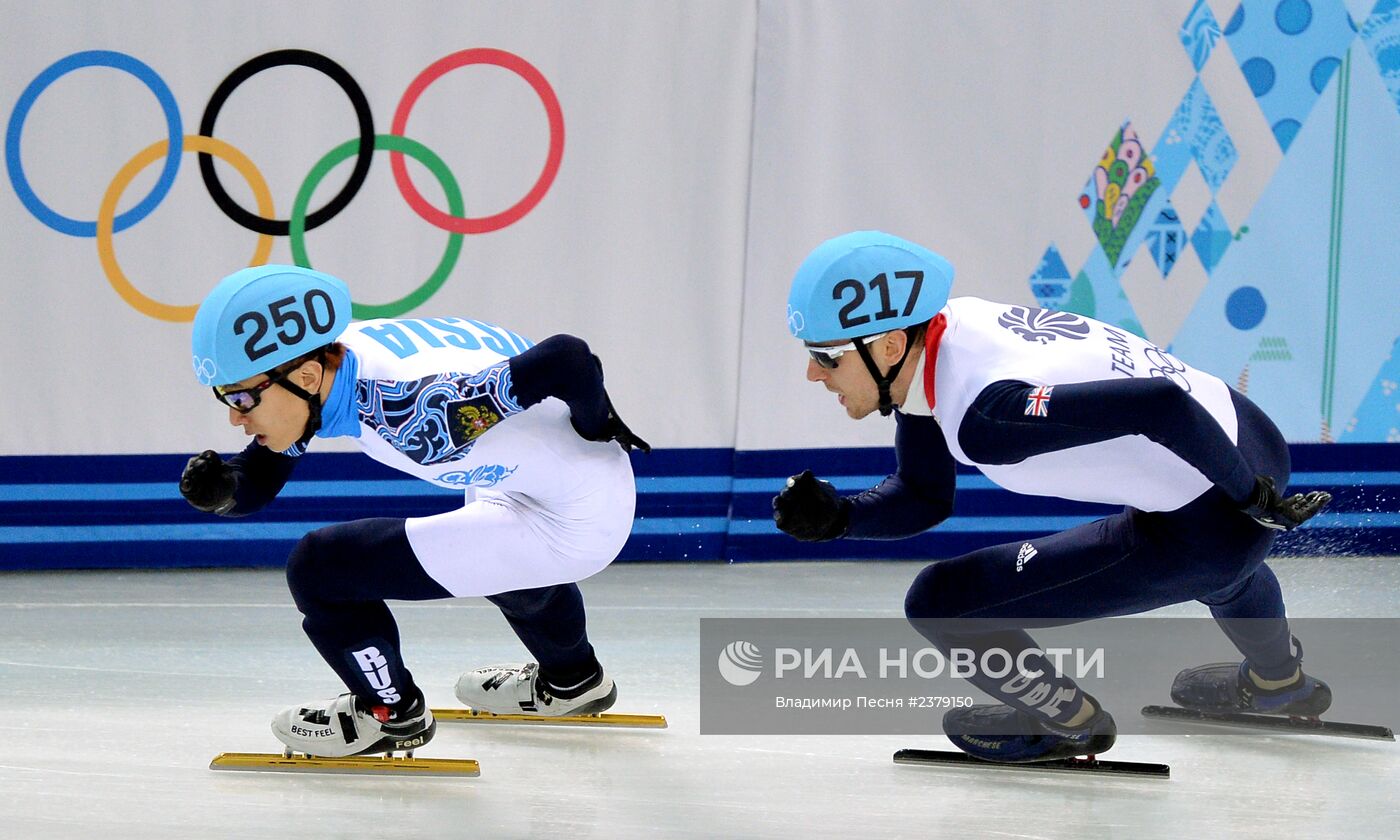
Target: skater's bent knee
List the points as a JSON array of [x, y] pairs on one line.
[[927, 596], [939, 606], [304, 564]]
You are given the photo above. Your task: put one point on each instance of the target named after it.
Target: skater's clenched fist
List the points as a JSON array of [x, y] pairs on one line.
[[208, 483], [810, 509]]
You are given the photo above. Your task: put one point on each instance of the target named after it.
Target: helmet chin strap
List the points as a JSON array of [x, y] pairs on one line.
[[313, 403], [883, 381]]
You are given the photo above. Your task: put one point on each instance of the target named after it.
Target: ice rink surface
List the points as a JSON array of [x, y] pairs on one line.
[[120, 687]]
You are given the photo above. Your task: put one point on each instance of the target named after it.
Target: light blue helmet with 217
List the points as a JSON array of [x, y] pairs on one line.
[[265, 316], [863, 283]]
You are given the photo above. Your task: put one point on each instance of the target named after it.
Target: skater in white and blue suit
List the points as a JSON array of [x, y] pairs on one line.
[[527, 431], [1051, 404]]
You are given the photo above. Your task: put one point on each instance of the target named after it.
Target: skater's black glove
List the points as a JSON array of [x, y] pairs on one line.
[[810, 509], [1268, 509], [612, 429], [208, 483], [617, 430]]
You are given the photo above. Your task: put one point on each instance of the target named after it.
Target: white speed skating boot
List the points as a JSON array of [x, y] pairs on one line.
[[342, 727], [518, 690]]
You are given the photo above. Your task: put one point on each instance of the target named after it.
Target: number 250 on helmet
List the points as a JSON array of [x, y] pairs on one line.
[[265, 316]]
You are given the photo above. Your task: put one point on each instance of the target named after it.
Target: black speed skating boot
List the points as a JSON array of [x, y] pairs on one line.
[[1005, 734], [1228, 687]]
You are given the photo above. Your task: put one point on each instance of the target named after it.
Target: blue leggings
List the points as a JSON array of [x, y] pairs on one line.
[[340, 576], [1127, 563]]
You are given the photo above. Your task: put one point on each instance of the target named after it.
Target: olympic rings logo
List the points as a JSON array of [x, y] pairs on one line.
[[264, 222]]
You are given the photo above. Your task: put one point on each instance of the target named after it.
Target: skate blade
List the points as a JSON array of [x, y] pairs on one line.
[[623, 721], [1270, 723], [1063, 765], [355, 764]]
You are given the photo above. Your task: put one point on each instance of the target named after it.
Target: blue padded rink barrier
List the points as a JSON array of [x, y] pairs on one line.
[[125, 511], [125, 678], [121, 685]]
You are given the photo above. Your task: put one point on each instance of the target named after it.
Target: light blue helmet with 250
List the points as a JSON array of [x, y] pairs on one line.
[[863, 283], [265, 316]]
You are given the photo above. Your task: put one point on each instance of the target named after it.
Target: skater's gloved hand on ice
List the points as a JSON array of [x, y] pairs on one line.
[[1267, 508], [208, 483], [810, 509]]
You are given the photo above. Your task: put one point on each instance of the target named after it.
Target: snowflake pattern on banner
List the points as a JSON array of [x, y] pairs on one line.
[[1195, 132], [1198, 34], [1212, 237], [1381, 34], [1165, 239], [1289, 55], [1126, 200], [1051, 281]]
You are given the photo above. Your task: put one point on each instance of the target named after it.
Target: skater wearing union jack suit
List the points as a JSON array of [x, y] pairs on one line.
[[526, 431], [1051, 404]]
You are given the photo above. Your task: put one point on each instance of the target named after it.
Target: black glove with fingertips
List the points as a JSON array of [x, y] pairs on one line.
[[208, 483], [1266, 507], [618, 431], [613, 429], [811, 510]]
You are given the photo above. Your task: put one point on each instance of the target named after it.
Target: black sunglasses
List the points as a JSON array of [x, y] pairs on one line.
[[244, 400]]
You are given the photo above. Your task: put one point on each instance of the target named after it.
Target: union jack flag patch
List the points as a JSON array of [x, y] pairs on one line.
[[1038, 401]]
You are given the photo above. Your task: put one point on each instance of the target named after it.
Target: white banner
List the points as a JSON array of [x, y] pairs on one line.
[[648, 175], [968, 128], [619, 218]]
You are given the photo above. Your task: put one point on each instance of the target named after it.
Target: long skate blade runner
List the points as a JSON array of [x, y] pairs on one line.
[[605, 719], [355, 764], [1270, 723], [1063, 765]]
